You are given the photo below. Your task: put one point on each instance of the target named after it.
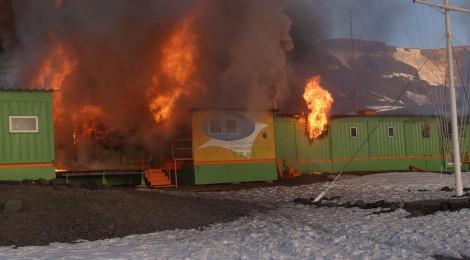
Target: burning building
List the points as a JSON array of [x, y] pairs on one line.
[[127, 80]]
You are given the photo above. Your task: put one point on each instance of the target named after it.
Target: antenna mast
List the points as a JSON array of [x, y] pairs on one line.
[[453, 103], [353, 65]]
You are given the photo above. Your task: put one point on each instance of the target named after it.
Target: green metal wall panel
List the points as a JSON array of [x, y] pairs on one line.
[[371, 150], [234, 173], [33, 173], [343, 145], [381, 144], [285, 132], [26, 147], [417, 144]]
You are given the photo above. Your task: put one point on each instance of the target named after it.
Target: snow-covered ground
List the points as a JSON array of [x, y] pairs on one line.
[[291, 231]]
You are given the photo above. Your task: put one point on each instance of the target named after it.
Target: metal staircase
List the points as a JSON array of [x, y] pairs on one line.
[[167, 174]]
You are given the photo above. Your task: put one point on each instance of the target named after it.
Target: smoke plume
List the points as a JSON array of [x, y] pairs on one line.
[[105, 59]]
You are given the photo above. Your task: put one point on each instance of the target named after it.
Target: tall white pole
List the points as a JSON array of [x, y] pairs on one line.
[[453, 103], [453, 108]]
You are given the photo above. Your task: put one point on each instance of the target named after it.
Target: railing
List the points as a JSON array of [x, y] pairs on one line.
[[181, 150]]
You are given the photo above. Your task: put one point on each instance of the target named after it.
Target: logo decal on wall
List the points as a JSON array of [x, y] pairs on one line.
[[233, 131]]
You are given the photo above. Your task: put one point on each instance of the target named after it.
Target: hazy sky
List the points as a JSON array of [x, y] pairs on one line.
[[397, 22]]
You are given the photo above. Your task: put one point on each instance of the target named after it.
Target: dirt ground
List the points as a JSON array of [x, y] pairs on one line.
[[37, 214]]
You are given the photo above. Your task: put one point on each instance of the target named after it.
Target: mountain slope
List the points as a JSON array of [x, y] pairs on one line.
[[382, 74]]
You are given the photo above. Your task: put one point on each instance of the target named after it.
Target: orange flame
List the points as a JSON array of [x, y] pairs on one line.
[[55, 67], [89, 122], [319, 103], [178, 65], [52, 73]]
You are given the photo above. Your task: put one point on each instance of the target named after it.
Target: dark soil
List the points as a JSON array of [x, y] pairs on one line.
[[35, 214]]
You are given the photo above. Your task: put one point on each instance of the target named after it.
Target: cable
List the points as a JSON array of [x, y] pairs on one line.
[[373, 130]]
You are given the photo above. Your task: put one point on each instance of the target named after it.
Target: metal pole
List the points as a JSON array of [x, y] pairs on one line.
[[453, 108], [353, 64], [453, 103]]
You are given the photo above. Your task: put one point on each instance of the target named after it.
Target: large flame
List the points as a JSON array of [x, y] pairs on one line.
[[53, 71], [90, 123], [55, 67], [319, 103], [178, 65]]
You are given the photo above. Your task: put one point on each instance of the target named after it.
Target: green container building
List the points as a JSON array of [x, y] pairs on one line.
[[364, 143], [26, 135]]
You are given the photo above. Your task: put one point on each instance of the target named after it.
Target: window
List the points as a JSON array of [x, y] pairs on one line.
[[391, 132], [231, 126], [426, 131], [215, 126], [353, 132], [23, 124]]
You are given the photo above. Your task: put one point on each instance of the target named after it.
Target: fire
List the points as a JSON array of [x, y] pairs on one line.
[[89, 122], [179, 54], [319, 103], [52, 73], [55, 67], [178, 65]]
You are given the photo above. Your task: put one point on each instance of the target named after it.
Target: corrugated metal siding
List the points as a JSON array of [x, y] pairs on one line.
[[380, 152], [419, 145], [293, 144], [285, 132], [345, 146], [26, 147], [381, 144]]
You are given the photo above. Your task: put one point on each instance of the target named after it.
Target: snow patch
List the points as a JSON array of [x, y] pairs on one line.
[[384, 108], [398, 75], [384, 98], [417, 98], [432, 71], [291, 231]]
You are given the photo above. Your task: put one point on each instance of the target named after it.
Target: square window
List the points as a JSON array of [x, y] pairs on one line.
[[391, 132], [215, 126], [23, 124], [353, 132], [231, 126]]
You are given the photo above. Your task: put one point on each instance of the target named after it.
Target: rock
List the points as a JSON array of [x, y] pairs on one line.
[[415, 213], [27, 182], [10, 182], [381, 204], [12, 206], [330, 204], [447, 188], [347, 204], [466, 189], [43, 182], [57, 181], [303, 201], [360, 203], [445, 206]]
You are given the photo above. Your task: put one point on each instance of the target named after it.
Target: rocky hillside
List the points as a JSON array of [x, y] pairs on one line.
[[383, 73]]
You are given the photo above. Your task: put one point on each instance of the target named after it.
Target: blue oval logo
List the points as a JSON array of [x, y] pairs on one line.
[[228, 126]]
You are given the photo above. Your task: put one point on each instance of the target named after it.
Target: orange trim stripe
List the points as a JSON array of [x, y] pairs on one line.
[[235, 162], [367, 159], [25, 165]]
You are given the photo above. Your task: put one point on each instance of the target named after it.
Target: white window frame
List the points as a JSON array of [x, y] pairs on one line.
[[350, 132], [10, 124], [225, 126], [221, 125], [393, 131]]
